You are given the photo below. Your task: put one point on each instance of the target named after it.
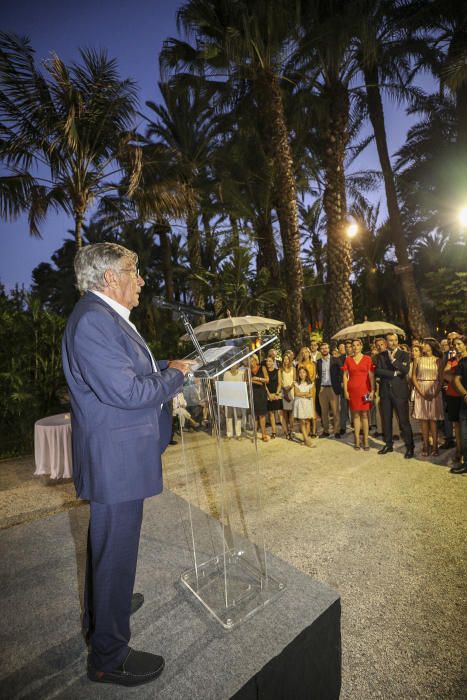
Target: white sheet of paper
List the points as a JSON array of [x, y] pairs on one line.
[[233, 394], [212, 354]]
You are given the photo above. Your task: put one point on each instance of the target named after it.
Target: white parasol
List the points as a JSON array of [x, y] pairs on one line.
[[234, 327], [366, 329]]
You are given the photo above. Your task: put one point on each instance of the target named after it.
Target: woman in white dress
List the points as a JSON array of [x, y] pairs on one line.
[[303, 407]]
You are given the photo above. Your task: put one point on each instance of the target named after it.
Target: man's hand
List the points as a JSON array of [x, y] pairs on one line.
[[183, 366]]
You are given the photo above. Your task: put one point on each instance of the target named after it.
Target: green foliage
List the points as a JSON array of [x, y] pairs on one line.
[[447, 291], [65, 131], [32, 384]]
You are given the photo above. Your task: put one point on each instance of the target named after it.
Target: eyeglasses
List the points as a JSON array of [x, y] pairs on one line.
[[134, 271]]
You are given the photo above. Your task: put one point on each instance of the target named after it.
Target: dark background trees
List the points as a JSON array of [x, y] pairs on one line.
[[238, 185]]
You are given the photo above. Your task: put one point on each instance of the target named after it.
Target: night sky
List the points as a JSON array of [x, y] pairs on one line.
[[132, 32]]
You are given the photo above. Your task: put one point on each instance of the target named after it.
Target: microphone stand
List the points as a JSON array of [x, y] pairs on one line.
[[190, 331], [183, 312]]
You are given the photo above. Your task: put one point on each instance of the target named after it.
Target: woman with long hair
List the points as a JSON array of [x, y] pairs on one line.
[[453, 397], [274, 393], [287, 378], [415, 355], [259, 379], [359, 390], [427, 378]]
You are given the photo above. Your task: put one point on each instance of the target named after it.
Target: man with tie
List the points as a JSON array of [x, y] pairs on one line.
[[392, 368], [120, 427]]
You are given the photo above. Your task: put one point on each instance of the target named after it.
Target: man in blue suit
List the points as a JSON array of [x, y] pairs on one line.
[[120, 427]]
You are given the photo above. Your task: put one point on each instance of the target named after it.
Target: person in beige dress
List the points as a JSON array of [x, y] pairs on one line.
[[427, 378]]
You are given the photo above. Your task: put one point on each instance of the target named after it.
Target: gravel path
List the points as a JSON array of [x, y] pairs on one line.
[[387, 533]]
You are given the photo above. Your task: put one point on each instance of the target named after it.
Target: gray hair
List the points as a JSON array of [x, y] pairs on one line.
[[92, 261]]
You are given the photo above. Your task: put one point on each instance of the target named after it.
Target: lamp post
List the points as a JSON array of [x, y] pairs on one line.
[[352, 229], [463, 224]]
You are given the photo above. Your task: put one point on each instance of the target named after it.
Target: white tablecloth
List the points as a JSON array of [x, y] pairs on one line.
[[52, 446]]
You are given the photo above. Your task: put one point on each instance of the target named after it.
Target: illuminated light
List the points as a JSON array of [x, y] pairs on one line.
[[463, 216], [352, 230]]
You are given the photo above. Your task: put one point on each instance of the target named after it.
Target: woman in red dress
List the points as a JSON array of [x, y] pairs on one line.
[[359, 387]]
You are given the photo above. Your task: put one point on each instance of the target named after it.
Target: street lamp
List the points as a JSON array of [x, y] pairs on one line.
[[463, 224], [352, 230], [463, 217]]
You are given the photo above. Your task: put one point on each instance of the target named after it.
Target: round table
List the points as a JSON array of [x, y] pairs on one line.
[[52, 446]]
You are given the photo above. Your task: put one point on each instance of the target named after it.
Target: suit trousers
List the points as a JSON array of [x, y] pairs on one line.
[[112, 554], [328, 402], [401, 407], [344, 410]]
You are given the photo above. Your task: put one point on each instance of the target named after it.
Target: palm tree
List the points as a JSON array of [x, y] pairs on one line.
[[384, 59], [324, 71], [184, 126], [65, 133], [246, 45], [245, 191]]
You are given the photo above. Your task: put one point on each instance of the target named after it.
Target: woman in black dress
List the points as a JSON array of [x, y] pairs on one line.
[[274, 393], [259, 379]]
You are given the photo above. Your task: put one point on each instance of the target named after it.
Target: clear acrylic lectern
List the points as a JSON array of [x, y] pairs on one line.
[[220, 476]]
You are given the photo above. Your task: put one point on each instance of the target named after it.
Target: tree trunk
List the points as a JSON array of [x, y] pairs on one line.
[[417, 321], [235, 234], [286, 207], [339, 253], [195, 258], [79, 217], [163, 230], [210, 247], [267, 252]]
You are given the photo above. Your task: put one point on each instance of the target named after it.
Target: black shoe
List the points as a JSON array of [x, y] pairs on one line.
[[139, 667], [324, 434], [342, 431], [384, 450], [173, 442], [137, 599], [337, 436], [408, 453], [447, 444], [460, 469]]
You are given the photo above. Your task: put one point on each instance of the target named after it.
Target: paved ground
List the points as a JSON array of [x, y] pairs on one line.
[[387, 533]]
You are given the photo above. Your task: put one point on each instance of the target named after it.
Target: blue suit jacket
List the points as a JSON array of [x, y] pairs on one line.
[[119, 429]]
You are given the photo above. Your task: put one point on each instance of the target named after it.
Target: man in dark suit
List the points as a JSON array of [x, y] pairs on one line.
[[120, 427], [392, 367], [328, 388]]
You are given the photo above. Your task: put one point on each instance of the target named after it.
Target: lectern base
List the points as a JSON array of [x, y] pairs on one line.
[[230, 588]]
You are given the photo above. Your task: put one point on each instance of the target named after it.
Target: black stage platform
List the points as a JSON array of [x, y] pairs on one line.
[[290, 650]]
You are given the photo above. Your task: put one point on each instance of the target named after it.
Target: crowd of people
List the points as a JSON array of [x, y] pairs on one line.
[[390, 390]]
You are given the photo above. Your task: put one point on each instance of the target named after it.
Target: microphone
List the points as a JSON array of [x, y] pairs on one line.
[[181, 308]]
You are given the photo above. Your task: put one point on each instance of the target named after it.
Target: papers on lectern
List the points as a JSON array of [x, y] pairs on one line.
[[233, 394]]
